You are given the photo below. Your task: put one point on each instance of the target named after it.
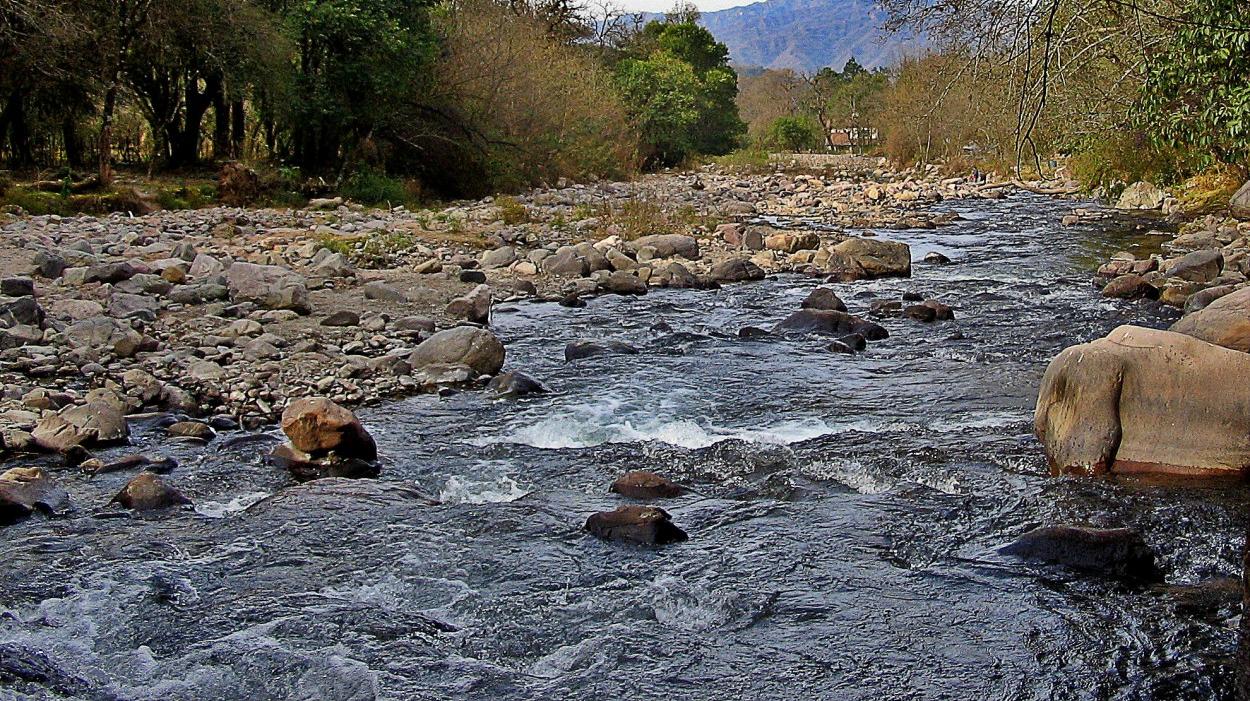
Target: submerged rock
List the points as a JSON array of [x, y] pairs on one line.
[[514, 384], [832, 323], [23, 490], [148, 491], [645, 525], [1114, 552], [640, 484], [1146, 401], [588, 349], [305, 468]]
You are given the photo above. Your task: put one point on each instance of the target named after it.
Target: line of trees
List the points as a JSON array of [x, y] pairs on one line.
[[464, 95]]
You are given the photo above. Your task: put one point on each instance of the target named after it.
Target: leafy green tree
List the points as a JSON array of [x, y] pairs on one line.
[[681, 92], [794, 134], [1197, 91]]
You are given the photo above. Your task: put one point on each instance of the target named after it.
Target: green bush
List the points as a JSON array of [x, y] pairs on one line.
[[373, 188], [793, 134], [1115, 159]]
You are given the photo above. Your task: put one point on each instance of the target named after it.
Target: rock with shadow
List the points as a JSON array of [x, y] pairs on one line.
[[1119, 553], [642, 525]]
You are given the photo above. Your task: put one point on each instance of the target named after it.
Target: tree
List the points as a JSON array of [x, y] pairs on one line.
[[794, 134], [681, 91], [1197, 91]]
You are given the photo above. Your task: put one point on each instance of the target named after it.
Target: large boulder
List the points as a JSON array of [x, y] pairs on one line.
[[830, 322], [478, 349], [640, 484], [736, 270], [1146, 401], [1239, 206], [1199, 266], [1141, 195], [1224, 322], [94, 423], [877, 258], [669, 245], [318, 426], [268, 286], [147, 491], [792, 241]]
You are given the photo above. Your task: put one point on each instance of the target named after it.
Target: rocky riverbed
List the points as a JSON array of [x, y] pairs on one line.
[[230, 313], [854, 505]]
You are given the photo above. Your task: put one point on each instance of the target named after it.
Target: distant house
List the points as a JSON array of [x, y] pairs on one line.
[[850, 138]]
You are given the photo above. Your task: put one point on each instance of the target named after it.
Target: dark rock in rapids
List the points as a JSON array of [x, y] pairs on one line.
[[148, 491], [831, 322], [588, 349], [515, 384], [753, 332], [929, 311], [573, 300], [935, 258], [640, 484], [644, 525], [1114, 552], [305, 468], [825, 299]]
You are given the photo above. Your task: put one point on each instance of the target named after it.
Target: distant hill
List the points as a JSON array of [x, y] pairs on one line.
[[807, 34]]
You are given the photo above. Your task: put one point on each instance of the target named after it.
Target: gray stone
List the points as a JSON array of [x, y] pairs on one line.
[[268, 286]]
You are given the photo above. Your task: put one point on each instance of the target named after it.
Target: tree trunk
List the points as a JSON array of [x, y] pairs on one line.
[[104, 172], [238, 129], [73, 144], [221, 121]]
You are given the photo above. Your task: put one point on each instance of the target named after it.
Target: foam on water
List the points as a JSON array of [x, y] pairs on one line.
[[217, 509], [471, 490], [587, 427]]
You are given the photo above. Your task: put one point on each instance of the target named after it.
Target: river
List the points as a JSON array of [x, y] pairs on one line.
[[844, 524]]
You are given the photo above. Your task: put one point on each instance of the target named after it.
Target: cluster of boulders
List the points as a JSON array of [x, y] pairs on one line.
[[1162, 402], [237, 312]]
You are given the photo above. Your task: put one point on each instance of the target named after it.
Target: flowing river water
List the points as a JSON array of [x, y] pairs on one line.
[[844, 528]]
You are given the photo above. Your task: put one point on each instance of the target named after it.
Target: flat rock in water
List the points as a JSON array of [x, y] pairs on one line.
[[640, 484], [644, 525], [25, 489], [588, 349], [1113, 552]]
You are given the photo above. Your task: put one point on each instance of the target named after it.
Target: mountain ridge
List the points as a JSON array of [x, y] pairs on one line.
[[806, 35]]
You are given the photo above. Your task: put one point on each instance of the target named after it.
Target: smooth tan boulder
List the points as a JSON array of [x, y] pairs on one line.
[[877, 258], [1224, 322], [318, 426], [1146, 401]]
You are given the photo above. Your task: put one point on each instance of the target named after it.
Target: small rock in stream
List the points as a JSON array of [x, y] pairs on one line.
[[640, 484], [644, 525], [147, 491]]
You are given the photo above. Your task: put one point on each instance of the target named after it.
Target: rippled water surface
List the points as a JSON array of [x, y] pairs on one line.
[[843, 530]]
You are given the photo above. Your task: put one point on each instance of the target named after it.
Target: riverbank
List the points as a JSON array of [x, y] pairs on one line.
[[146, 312]]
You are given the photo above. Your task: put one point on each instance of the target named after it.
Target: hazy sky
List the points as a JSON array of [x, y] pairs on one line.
[[664, 5]]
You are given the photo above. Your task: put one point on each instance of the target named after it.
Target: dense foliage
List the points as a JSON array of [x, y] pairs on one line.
[[464, 96], [680, 90]]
